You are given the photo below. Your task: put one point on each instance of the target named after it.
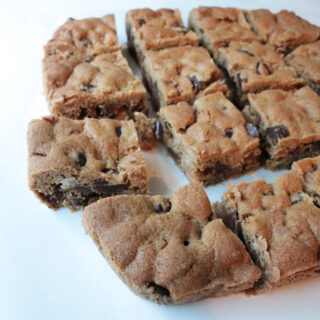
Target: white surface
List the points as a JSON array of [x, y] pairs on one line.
[[49, 269]]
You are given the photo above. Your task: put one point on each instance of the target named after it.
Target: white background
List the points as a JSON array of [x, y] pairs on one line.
[[49, 269]]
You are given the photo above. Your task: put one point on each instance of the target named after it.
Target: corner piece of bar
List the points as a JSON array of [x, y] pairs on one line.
[[75, 162], [167, 249], [279, 224], [211, 140]]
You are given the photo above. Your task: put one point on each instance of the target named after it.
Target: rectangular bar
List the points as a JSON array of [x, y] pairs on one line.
[[254, 67], [155, 30], [211, 140], [75, 162], [181, 74], [166, 249], [306, 61], [85, 74], [217, 27], [284, 30], [288, 123], [280, 226]]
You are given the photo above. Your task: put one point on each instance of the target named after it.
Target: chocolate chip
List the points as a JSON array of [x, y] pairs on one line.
[[141, 21], [196, 84], [78, 202], [54, 198], [186, 243], [118, 131], [224, 108], [314, 167], [156, 289], [163, 206], [84, 189], [228, 133], [86, 42], [81, 159], [103, 187], [247, 52], [87, 87], [83, 113], [275, 133], [252, 130], [262, 68], [316, 203], [297, 198]]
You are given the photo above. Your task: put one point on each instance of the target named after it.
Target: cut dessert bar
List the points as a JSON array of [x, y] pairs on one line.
[[309, 172], [279, 224], [288, 124], [254, 67], [146, 128], [155, 30], [217, 27], [167, 249], [75, 162], [283, 30], [85, 74], [211, 140], [180, 74], [306, 61]]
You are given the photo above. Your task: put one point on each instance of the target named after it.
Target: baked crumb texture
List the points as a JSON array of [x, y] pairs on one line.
[[210, 141], [168, 249], [174, 67], [288, 123], [86, 75], [279, 223], [75, 162]]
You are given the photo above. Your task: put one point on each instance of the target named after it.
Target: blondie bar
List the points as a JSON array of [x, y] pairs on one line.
[[211, 140], [254, 67], [155, 30], [180, 74], [306, 61], [279, 224], [288, 123], [75, 162], [167, 249]]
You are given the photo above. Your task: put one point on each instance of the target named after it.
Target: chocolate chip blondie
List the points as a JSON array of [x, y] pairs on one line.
[[155, 30], [309, 172], [279, 224], [288, 123], [181, 74], [254, 67], [210, 140], [283, 30], [217, 27], [85, 74], [306, 61], [75, 162], [167, 249]]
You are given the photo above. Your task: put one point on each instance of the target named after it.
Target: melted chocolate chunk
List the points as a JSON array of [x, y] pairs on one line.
[[78, 202], [228, 133], [81, 159], [252, 130], [103, 187], [196, 84], [275, 133], [87, 87], [186, 243], [163, 207], [54, 198], [141, 21], [86, 42], [85, 190], [118, 131]]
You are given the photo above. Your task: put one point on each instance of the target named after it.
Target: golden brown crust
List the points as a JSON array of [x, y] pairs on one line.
[[165, 248], [280, 225], [211, 133], [65, 154]]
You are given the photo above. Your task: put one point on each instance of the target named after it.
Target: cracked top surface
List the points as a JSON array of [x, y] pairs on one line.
[[309, 171], [212, 129], [282, 220], [90, 148], [287, 118], [220, 26], [90, 37], [160, 29], [306, 60], [182, 72], [72, 82], [165, 248], [284, 30], [254, 67]]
